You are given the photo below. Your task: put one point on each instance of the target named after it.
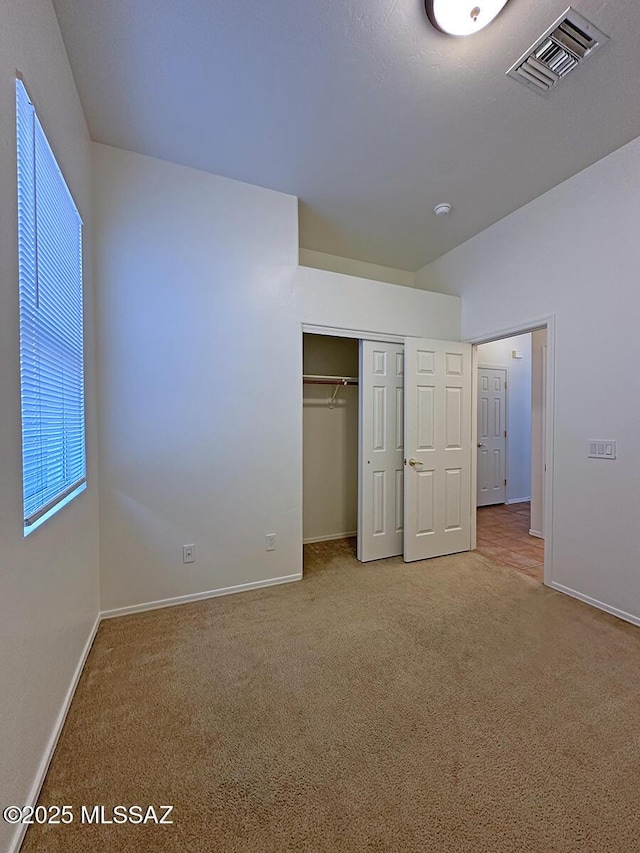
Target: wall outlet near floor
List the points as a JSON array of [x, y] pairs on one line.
[[271, 541], [188, 553]]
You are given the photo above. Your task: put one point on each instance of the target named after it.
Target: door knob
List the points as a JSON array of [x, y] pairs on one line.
[[480, 445], [413, 462]]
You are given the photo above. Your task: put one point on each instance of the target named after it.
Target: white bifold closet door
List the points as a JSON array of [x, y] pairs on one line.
[[380, 501], [437, 443]]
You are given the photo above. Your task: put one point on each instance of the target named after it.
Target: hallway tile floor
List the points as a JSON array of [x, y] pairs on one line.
[[503, 536]]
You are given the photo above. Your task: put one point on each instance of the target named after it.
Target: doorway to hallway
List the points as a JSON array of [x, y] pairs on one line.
[[511, 454]]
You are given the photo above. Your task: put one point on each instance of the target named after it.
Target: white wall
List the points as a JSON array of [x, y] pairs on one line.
[[345, 302], [201, 305], [519, 409], [575, 251], [199, 359], [361, 269], [330, 440], [48, 581]]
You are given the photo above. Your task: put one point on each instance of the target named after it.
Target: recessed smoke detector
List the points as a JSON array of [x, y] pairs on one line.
[[442, 209], [565, 45]]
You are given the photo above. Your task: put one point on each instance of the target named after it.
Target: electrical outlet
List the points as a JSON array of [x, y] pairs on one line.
[[271, 541], [188, 553]]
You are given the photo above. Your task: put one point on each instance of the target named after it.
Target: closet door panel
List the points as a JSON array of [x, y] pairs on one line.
[[381, 472]]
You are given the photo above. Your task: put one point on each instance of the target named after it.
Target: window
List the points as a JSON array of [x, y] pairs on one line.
[[51, 341]]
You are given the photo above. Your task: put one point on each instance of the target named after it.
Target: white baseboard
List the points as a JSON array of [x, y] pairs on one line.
[[43, 767], [198, 596], [536, 533], [518, 500], [329, 537], [621, 614]]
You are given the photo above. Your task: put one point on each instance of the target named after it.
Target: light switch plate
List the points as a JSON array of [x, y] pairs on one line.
[[601, 449]]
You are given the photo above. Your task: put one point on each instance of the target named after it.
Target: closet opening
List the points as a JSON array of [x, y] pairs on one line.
[[387, 446], [330, 368]]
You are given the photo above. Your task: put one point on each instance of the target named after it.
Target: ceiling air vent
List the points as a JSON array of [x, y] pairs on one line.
[[565, 45]]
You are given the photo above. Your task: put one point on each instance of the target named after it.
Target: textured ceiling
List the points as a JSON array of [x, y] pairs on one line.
[[359, 108]]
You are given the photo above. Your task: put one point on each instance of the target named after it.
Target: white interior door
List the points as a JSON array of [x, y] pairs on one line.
[[437, 489], [492, 436], [380, 496]]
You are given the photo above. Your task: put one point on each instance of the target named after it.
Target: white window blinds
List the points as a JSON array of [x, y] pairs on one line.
[[51, 339]]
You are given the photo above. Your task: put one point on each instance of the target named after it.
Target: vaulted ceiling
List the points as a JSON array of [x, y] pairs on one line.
[[358, 107]]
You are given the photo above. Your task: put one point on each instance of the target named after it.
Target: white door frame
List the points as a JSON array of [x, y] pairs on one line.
[[504, 367], [547, 322]]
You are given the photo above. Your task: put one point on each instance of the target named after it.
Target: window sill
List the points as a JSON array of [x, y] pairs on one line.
[[54, 509]]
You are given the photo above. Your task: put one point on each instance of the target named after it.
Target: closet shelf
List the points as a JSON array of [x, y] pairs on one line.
[[317, 379]]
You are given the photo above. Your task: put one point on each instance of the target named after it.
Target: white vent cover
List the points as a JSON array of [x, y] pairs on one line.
[[564, 46]]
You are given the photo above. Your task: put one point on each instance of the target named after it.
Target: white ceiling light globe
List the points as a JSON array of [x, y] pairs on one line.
[[462, 17]]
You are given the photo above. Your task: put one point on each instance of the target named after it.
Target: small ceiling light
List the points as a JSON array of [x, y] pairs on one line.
[[462, 17], [442, 209]]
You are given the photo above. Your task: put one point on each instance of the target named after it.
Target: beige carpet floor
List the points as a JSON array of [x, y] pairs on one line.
[[450, 705]]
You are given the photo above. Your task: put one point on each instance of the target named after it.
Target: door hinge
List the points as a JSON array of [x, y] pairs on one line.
[[505, 385], [505, 482], [505, 433]]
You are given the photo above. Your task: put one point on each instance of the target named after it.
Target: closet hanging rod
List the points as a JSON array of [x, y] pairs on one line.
[[313, 379]]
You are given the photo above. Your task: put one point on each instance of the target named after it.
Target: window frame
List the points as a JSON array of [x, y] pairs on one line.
[[51, 290]]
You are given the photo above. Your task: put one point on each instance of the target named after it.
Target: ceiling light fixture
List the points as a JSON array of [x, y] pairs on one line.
[[462, 17]]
